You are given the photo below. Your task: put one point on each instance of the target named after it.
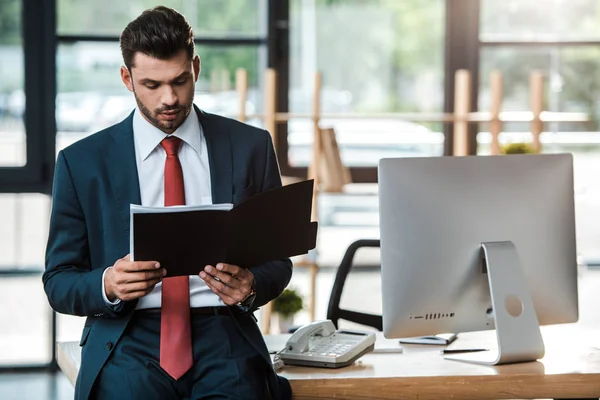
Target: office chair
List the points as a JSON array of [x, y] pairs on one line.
[[334, 312]]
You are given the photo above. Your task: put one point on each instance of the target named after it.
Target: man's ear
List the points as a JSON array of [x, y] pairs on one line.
[[127, 78], [196, 65]]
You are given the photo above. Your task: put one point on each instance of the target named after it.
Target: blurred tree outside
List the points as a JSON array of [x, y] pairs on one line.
[[11, 50], [387, 53], [10, 22]]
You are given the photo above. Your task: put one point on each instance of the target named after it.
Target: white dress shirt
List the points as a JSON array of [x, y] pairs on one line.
[[150, 160]]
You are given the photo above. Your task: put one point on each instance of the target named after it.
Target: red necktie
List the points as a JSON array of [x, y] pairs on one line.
[[175, 330]]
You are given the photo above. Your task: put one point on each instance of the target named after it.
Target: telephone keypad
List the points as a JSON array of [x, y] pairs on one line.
[[334, 348]]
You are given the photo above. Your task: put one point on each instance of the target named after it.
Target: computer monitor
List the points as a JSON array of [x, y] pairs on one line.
[[454, 227]]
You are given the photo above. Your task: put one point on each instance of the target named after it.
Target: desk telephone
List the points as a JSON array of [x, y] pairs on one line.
[[318, 344]]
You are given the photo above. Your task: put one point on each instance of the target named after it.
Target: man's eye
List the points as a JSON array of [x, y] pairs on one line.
[[151, 86], [180, 81]]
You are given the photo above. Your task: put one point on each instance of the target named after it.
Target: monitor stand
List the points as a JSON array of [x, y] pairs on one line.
[[517, 326]]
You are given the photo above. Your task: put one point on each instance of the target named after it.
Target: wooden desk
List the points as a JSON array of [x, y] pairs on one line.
[[570, 369]]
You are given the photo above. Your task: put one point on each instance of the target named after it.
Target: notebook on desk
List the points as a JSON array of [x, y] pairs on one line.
[[440, 339]]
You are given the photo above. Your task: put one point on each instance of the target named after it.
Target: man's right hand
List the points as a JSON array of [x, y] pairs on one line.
[[128, 280]]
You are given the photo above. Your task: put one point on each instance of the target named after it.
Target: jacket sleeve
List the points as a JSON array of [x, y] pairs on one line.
[[273, 277], [70, 283]]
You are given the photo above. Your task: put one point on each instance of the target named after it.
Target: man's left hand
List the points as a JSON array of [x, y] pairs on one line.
[[230, 282]]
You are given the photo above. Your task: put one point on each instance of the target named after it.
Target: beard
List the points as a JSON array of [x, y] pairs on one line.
[[165, 126]]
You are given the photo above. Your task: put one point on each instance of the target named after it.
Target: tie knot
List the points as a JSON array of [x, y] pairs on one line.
[[171, 145]]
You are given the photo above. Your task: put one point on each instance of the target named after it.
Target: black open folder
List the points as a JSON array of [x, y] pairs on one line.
[[269, 226]]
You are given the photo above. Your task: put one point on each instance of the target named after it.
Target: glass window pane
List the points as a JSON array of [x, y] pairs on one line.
[[378, 56], [12, 96], [91, 95], [209, 18], [24, 230], [25, 322], [215, 89], [529, 20], [572, 81], [572, 84]]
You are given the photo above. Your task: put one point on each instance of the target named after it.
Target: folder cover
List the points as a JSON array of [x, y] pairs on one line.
[[268, 226]]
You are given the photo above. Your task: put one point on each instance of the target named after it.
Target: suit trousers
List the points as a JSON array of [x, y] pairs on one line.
[[226, 366]]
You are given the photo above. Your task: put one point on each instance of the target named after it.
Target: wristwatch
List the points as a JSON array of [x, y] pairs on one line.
[[246, 304]]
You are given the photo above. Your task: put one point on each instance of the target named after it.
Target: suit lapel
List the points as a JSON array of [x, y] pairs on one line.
[[122, 169], [220, 160]]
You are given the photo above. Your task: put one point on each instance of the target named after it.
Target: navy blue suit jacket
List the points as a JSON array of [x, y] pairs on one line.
[[95, 181]]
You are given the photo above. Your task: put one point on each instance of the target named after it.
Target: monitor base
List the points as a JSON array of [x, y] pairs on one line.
[[517, 327]]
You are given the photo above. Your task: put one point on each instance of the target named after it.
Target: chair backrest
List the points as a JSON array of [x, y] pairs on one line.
[[332, 171], [334, 312]]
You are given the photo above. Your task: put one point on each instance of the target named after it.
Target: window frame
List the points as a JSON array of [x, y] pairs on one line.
[[455, 20], [38, 25], [515, 44]]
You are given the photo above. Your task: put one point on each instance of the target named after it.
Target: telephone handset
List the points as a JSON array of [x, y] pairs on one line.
[[299, 341], [318, 344]]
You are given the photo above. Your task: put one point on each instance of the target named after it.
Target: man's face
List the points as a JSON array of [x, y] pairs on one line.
[[163, 89]]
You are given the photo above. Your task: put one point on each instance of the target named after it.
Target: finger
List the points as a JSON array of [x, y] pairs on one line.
[[139, 286], [215, 282], [226, 278], [136, 266], [132, 277], [220, 287], [133, 295], [130, 293], [220, 290], [241, 274], [232, 270]]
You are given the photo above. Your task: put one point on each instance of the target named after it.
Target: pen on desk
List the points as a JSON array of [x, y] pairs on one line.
[[452, 351]]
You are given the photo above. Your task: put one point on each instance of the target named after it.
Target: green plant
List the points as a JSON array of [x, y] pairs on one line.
[[288, 303], [518, 148]]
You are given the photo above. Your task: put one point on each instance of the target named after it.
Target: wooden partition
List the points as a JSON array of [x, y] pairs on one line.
[[496, 106], [462, 107], [536, 92], [241, 86]]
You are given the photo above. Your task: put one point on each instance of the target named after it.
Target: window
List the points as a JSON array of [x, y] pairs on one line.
[[561, 39], [208, 18], [25, 318], [12, 87], [374, 57], [539, 20], [572, 78], [91, 95]]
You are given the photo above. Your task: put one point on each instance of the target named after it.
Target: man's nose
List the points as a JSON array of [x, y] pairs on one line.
[[169, 97]]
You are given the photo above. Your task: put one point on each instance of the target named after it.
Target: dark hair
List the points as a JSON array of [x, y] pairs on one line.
[[160, 33]]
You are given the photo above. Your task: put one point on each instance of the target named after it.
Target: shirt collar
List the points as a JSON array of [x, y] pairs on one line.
[[148, 136]]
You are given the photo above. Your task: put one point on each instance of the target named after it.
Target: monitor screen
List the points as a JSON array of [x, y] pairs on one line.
[[435, 213]]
